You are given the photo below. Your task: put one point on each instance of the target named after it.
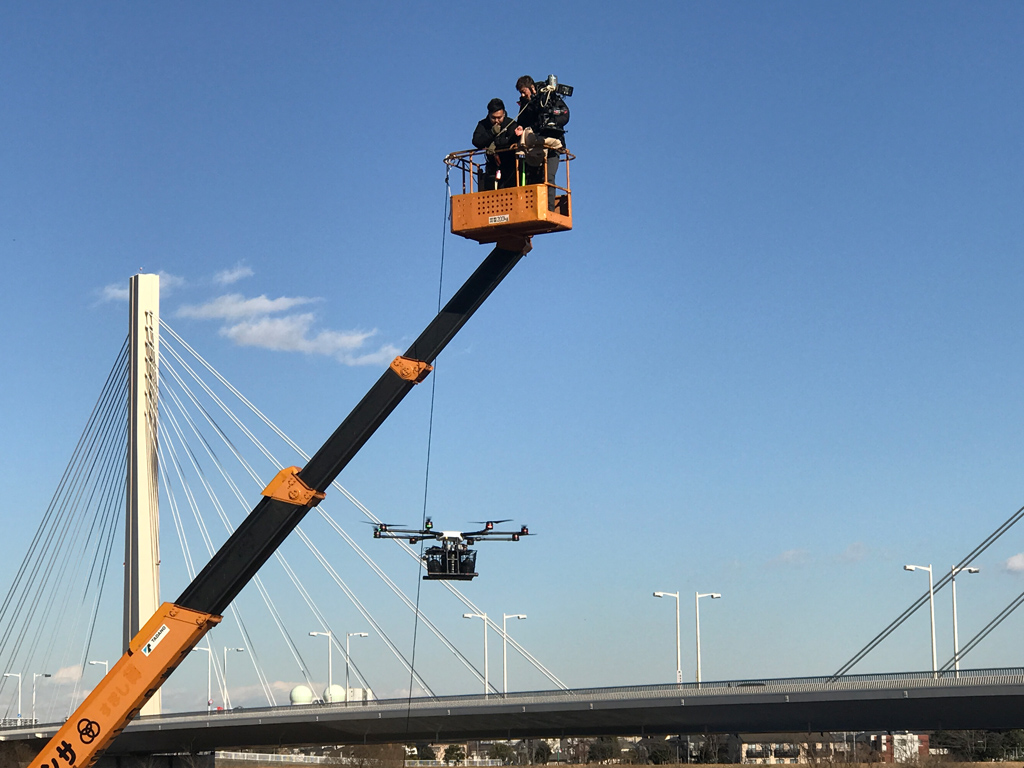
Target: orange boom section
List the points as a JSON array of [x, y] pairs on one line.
[[489, 214], [161, 645]]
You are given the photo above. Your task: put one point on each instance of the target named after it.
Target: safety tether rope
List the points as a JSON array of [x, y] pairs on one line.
[[430, 434]]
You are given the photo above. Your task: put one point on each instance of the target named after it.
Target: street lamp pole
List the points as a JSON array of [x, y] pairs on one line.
[[953, 571], [679, 652], [931, 608], [483, 617], [330, 659], [209, 674], [17, 675], [347, 636], [696, 604], [106, 666], [34, 676], [504, 648], [227, 694]]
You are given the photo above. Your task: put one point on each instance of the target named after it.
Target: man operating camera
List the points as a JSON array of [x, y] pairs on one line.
[[542, 119]]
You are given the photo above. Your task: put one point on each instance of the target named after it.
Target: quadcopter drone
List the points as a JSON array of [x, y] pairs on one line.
[[452, 559]]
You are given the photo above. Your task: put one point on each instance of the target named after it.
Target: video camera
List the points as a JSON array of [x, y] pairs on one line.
[[551, 85], [552, 113]]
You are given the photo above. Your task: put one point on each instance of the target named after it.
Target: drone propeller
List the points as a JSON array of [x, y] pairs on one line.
[[489, 524], [379, 528]]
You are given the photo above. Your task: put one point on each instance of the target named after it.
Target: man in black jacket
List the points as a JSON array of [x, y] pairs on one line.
[[542, 118], [496, 133]]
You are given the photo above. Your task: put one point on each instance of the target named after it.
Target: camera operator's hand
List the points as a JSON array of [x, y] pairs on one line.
[[519, 130]]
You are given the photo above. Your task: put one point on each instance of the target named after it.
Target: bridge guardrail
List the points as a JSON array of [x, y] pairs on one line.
[[884, 680]]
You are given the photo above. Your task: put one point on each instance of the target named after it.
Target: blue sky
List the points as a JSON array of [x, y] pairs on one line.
[[778, 357]]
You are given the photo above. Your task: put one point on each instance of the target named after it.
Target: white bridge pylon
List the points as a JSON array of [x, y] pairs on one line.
[[142, 515]]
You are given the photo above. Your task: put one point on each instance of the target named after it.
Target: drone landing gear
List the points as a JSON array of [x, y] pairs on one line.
[[450, 564]]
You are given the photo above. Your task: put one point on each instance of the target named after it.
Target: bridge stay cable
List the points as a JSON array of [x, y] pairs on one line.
[[255, 476], [240, 496], [178, 432], [984, 632], [923, 600], [85, 535], [242, 627], [169, 332], [366, 558], [94, 552], [69, 551]]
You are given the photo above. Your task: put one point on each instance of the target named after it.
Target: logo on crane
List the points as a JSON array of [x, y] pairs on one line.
[[155, 640]]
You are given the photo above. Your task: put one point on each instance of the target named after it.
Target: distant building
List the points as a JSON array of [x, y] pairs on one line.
[[792, 748]]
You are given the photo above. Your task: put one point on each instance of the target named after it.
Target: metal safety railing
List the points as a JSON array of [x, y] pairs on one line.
[[263, 757], [483, 170]]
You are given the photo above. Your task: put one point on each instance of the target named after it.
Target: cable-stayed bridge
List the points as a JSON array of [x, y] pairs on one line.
[[980, 699], [212, 465], [215, 450]]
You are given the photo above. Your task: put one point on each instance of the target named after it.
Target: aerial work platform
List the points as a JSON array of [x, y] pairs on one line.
[[487, 214]]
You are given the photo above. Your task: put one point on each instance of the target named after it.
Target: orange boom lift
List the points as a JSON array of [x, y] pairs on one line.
[[504, 217]]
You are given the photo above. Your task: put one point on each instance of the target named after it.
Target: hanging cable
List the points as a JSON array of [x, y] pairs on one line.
[[430, 434]]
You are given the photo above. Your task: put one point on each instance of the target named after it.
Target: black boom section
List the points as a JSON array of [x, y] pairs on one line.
[[270, 521], [378, 403]]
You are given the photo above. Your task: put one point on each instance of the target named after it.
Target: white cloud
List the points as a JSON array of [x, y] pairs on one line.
[[233, 275], [67, 674], [119, 291], [114, 292], [855, 553], [234, 306], [260, 322], [1015, 564], [792, 557], [169, 282], [293, 333]]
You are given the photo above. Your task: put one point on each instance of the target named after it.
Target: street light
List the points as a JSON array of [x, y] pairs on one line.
[[227, 694], [106, 666], [696, 604], [953, 571], [504, 648], [34, 676], [347, 636], [209, 674], [482, 616], [17, 675], [679, 652], [931, 607], [330, 658]]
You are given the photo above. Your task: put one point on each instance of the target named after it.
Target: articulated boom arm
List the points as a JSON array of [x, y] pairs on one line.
[[175, 629]]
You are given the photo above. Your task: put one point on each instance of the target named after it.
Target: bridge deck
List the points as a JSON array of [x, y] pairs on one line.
[[978, 699]]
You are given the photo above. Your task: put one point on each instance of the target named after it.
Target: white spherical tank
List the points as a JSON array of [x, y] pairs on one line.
[[336, 693], [301, 694]]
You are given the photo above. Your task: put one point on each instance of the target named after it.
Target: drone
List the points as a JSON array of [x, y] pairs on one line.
[[451, 559]]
